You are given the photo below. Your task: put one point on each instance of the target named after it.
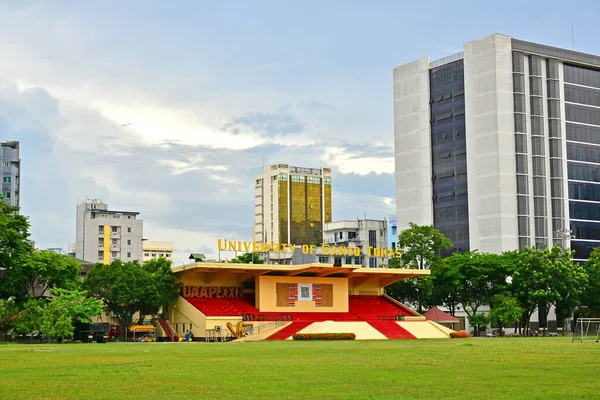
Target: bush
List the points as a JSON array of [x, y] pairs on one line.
[[459, 335], [324, 336]]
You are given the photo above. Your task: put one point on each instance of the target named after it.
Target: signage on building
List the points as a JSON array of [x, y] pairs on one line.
[[224, 292], [326, 249]]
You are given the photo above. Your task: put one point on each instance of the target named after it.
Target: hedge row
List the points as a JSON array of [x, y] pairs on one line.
[[324, 336], [459, 335]]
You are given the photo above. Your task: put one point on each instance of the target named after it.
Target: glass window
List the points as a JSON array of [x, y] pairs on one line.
[[357, 261], [523, 226], [586, 134], [147, 254], [521, 164], [554, 128], [582, 172], [521, 143], [582, 152], [324, 259], [582, 95], [128, 230], [553, 89], [537, 107], [337, 260], [539, 186], [538, 166], [522, 186], [539, 206], [582, 76], [129, 254], [553, 108], [557, 208], [519, 83], [552, 67], [555, 148], [582, 114], [541, 229], [580, 210], [518, 62], [520, 124], [522, 205], [556, 187], [372, 238], [537, 146], [535, 65], [114, 229], [519, 103], [372, 262], [348, 260], [584, 191]]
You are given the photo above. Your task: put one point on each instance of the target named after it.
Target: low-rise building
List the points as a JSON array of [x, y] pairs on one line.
[[154, 249]]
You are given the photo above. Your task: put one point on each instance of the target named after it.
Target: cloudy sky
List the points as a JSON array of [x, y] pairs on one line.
[[170, 107]]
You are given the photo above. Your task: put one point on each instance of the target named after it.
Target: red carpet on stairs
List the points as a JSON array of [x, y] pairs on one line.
[[289, 330], [391, 330]]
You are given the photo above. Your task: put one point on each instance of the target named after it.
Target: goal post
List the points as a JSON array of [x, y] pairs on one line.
[[587, 330]]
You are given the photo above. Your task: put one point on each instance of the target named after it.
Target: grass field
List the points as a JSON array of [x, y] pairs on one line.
[[516, 368]]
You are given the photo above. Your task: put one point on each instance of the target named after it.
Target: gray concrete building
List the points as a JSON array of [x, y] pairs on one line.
[[11, 173], [105, 235], [498, 146]]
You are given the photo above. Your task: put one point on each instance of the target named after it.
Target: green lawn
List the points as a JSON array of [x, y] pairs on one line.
[[486, 368]]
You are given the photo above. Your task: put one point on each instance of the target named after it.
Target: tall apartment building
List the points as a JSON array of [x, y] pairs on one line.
[[11, 173], [498, 146], [105, 235], [292, 204]]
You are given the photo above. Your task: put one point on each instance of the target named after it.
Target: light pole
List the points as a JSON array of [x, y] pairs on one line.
[[563, 234]]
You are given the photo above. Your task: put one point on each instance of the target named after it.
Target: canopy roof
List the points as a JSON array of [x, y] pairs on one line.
[[142, 328], [247, 272], [437, 315]]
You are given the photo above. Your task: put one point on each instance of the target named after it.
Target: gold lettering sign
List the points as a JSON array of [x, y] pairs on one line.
[[326, 249], [224, 292]]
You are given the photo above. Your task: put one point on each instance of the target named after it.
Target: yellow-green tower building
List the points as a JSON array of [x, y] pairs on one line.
[[292, 204]]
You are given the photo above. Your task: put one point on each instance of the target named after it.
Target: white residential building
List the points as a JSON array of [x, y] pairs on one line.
[[105, 235]]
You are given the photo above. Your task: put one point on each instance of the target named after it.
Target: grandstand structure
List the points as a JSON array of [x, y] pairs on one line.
[[227, 301]]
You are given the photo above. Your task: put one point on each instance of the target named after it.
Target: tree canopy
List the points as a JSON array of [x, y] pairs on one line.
[[131, 287], [248, 258], [422, 246]]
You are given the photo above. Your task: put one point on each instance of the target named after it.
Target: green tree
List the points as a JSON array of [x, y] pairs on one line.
[[8, 311], [415, 291], [129, 288], [421, 246], [161, 290], [14, 248], [478, 321], [248, 258], [43, 270], [547, 277], [505, 310], [66, 307], [590, 297]]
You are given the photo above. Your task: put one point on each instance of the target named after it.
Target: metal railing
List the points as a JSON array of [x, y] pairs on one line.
[[267, 327]]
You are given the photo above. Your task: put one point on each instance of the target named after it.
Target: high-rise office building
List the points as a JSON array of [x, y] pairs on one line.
[[11, 173], [498, 146], [105, 235], [292, 204]]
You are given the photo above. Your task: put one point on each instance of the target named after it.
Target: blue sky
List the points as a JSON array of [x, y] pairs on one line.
[[209, 88]]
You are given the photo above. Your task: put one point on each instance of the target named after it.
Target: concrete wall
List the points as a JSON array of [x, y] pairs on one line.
[[490, 144], [412, 144]]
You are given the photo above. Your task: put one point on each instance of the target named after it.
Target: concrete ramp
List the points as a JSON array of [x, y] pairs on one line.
[[426, 329]]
